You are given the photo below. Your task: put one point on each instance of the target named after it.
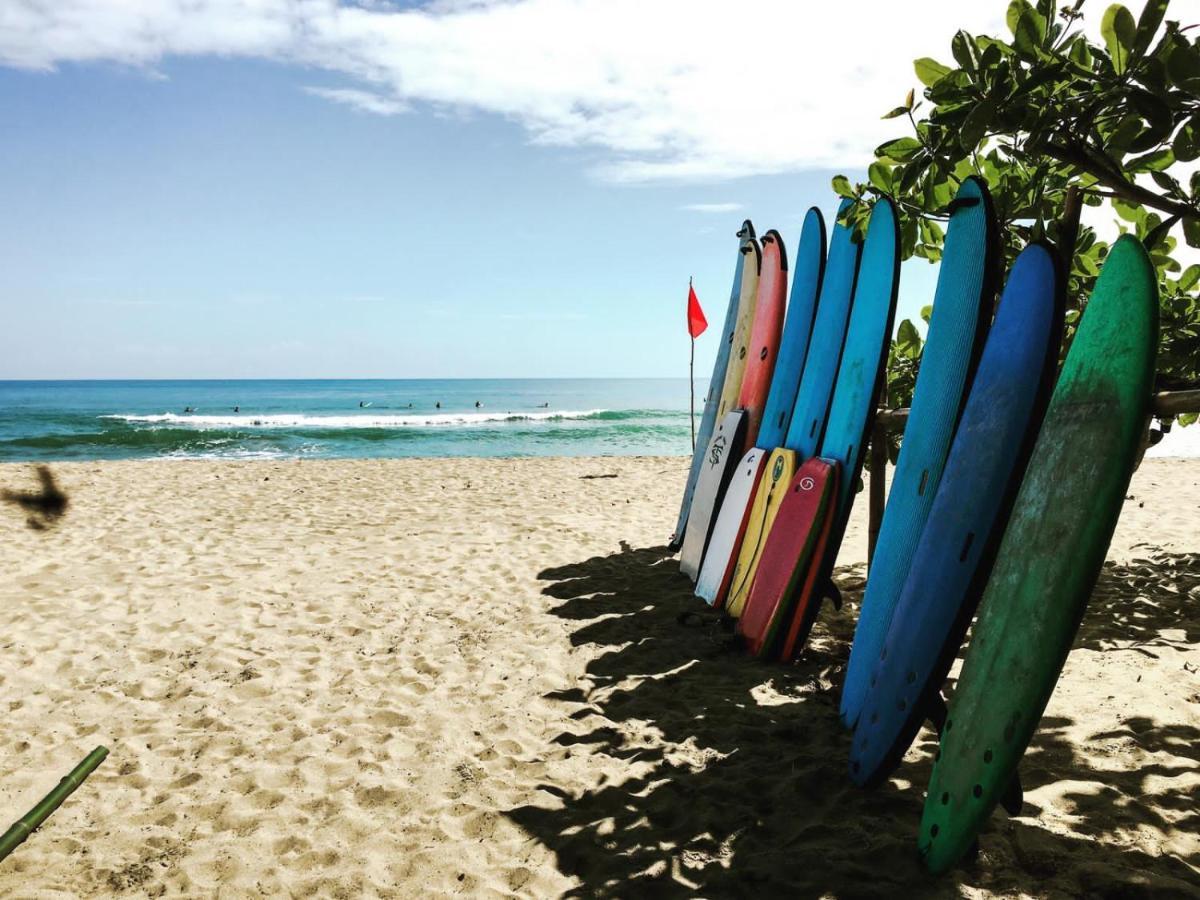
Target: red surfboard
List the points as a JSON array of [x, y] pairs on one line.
[[763, 348], [797, 537]]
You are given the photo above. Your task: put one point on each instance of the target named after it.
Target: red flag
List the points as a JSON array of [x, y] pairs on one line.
[[696, 321]]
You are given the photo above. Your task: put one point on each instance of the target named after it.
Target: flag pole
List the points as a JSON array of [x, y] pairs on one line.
[[692, 375]]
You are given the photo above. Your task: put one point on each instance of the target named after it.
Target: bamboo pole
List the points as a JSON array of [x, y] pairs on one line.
[[32, 820]]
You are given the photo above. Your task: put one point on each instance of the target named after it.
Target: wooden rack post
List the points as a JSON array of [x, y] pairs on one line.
[[1162, 406]]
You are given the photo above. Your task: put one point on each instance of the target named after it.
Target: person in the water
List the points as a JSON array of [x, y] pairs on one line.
[[478, 404]]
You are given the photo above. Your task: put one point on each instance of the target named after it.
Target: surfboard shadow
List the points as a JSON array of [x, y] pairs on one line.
[[733, 776]]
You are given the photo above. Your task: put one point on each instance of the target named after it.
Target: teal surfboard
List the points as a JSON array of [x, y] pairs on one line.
[[708, 420], [962, 307], [1050, 556]]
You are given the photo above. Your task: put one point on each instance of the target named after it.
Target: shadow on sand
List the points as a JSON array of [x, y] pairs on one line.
[[737, 784]]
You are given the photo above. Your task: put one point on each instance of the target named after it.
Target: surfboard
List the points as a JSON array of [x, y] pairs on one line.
[[763, 345], [804, 510], [716, 384], [740, 348], [766, 333], [851, 412], [953, 558], [808, 413], [798, 328], [1050, 555], [962, 306], [710, 487]]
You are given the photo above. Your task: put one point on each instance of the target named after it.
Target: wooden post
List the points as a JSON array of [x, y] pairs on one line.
[[1163, 405], [876, 486]]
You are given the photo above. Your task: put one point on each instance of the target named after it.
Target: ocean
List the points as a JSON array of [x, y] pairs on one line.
[[85, 420]]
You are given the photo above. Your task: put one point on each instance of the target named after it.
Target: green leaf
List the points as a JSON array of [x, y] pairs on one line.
[[841, 187], [901, 149], [898, 111], [907, 337], [1186, 145], [1154, 161], [1118, 30], [1079, 53], [962, 45], [1191, 232], [930, 71], [1123, 135], [1128, 211], [1190, 278], [880, 175], [1167, 183], [1016, 9], [1148, 22], [927, 312], [1183, 67], [976, 124]]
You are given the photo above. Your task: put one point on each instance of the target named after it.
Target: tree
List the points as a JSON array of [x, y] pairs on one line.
[[1051, 120]]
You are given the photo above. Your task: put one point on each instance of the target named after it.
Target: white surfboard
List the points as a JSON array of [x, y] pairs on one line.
[[728, 528], [722, 454]]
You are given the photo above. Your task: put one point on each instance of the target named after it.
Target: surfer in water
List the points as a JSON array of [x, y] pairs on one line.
[[478, 404], [188, 409], [438, 405], [237, 409]]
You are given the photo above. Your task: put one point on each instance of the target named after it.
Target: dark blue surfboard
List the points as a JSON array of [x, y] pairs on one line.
[[708, 421], [961, 310], [828, 335], [808, 272], [954, 556], [860, 376]]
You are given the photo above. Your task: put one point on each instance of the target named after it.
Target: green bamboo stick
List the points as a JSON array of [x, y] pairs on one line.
[[32, 820]]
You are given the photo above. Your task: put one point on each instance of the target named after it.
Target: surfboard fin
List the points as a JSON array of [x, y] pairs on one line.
[[936, 712], [1013, 797], [833, 595]]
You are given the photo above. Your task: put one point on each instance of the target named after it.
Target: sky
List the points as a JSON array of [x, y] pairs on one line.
[[462, 188]]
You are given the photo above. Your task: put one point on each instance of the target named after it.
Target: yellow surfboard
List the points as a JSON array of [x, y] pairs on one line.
[[747, 303], [776, 476]]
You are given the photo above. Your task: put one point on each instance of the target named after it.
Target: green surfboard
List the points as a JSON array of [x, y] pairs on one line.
[[1050, 556]]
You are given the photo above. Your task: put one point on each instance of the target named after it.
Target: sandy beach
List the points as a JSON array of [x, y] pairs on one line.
[[408, 678]]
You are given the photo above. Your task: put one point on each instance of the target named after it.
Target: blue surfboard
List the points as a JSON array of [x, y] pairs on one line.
[[860, 375], [954, 556], [961, 310], [708, 421], [807, 421], [807, 278]]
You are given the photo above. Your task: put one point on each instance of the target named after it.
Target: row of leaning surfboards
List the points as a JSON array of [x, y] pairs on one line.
[[1005, 495]]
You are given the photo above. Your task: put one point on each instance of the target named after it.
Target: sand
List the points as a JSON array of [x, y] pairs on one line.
[[429, 677]]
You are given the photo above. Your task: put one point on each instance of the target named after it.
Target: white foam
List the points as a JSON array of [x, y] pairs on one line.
[[363, 420]]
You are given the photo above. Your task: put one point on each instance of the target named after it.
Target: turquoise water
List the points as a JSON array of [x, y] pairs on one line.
[[64, 420]]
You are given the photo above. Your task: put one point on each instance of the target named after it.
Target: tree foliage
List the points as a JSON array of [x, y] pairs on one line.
[[1040, 113]]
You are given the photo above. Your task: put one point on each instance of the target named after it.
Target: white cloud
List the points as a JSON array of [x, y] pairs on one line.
[[712, 207], [666, 89], [363, 101]]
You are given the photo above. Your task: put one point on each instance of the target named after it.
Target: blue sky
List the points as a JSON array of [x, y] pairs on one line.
[[225, 212]]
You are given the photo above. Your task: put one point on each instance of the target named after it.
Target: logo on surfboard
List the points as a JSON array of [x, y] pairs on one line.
[[807, 483], [717, 450], [778, 470]]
